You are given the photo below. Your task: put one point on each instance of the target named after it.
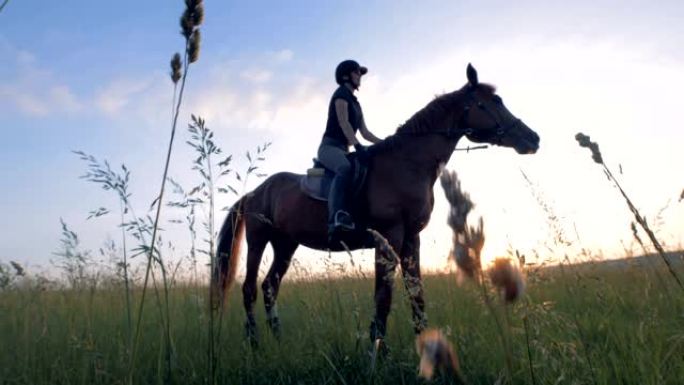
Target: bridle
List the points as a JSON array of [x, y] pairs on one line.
[[456, 130]]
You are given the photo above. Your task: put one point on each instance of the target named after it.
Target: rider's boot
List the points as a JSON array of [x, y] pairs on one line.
[[339, 220]]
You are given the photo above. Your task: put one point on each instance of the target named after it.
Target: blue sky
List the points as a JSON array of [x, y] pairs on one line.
[[92, 76]]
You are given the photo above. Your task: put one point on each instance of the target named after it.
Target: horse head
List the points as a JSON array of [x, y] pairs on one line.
[[485, 119]]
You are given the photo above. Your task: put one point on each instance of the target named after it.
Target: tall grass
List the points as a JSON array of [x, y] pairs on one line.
[[75, 336], [190, 21], [585, 141], [576, 323]]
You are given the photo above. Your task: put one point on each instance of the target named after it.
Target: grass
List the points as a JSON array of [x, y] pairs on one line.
[[588, 323], [632, 332]]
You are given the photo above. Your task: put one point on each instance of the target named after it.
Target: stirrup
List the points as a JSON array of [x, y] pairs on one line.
[[343, 221]]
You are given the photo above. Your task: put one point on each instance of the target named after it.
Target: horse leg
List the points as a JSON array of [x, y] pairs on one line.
[[283, 249], [385, 265], [256, 243], [410, 269]]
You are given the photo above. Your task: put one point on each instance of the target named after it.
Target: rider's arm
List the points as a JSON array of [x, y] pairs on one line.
[[366, 133], [343, 119]]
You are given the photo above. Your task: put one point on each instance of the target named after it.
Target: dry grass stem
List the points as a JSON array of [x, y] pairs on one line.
[[584, 141]]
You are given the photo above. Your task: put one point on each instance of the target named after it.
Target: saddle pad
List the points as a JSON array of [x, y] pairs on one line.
[[317, 181], [316, 184]]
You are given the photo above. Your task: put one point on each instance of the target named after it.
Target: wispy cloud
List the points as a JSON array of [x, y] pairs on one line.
[[283, 55], [63, 97], [120, 94], [257, 76], [57, 99], [32, 90]]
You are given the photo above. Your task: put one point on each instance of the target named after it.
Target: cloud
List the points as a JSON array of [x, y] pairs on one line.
[[63, 97], [119, 93], [26, 103], [41, 103], [257, 76], [283, 55], [32, 90]]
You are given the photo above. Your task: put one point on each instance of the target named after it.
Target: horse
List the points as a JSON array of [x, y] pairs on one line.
[[398, 200]]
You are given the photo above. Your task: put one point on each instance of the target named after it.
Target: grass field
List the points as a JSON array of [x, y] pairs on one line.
[[584, 324], [591, 323]]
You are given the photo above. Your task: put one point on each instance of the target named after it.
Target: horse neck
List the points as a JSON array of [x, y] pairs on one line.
[[415, 157], [420, 144], [429, 152]]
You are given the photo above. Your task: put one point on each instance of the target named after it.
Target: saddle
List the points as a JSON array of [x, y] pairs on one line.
[[316, 183]]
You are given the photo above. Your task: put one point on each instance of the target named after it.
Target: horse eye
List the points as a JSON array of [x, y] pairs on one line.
[[480, 105]]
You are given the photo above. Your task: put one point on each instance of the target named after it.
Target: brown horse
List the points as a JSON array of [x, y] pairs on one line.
[[398, 201]]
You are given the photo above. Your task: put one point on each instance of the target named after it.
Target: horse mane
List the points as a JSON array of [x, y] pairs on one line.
[[424, 121]]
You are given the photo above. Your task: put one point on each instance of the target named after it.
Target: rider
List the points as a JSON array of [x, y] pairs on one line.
[[344, 119]]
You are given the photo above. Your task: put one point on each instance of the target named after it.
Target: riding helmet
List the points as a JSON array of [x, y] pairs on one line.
[[345, 68]]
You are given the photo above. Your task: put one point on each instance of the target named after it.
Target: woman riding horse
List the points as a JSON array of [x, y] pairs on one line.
[[345, 117], [398, 201]]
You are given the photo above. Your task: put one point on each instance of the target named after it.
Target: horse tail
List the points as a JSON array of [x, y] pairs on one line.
[[228, 250]]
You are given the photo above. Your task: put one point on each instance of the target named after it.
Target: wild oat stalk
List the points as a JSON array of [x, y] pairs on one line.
[[110, 180], [189, 202], [9, 277], [72, 260], [192, 18], [585, 141], [655, 270], [140, 228], [201, 140]]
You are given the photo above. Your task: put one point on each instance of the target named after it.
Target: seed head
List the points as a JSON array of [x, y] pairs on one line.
[[507, 278], [194, 47], [192, 3], [635, 233], [435, 352], [187, 24], [18, 269], [176, 67], [681, 197], [198, 14], [585, 141]]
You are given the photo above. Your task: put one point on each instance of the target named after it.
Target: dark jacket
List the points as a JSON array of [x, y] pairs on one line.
[[332, 128]]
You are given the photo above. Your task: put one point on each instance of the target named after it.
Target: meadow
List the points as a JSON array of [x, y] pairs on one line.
[[583, 324], [590, 322]]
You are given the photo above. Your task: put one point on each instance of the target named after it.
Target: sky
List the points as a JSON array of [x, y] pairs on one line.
[[93, 76]]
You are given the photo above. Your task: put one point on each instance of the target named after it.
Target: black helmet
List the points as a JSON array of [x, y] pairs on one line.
[[345, 68]]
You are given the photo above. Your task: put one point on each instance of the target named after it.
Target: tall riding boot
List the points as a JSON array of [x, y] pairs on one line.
[[338, 217]]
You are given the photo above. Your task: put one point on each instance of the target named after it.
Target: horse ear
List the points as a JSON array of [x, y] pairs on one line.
[[472, 75]]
